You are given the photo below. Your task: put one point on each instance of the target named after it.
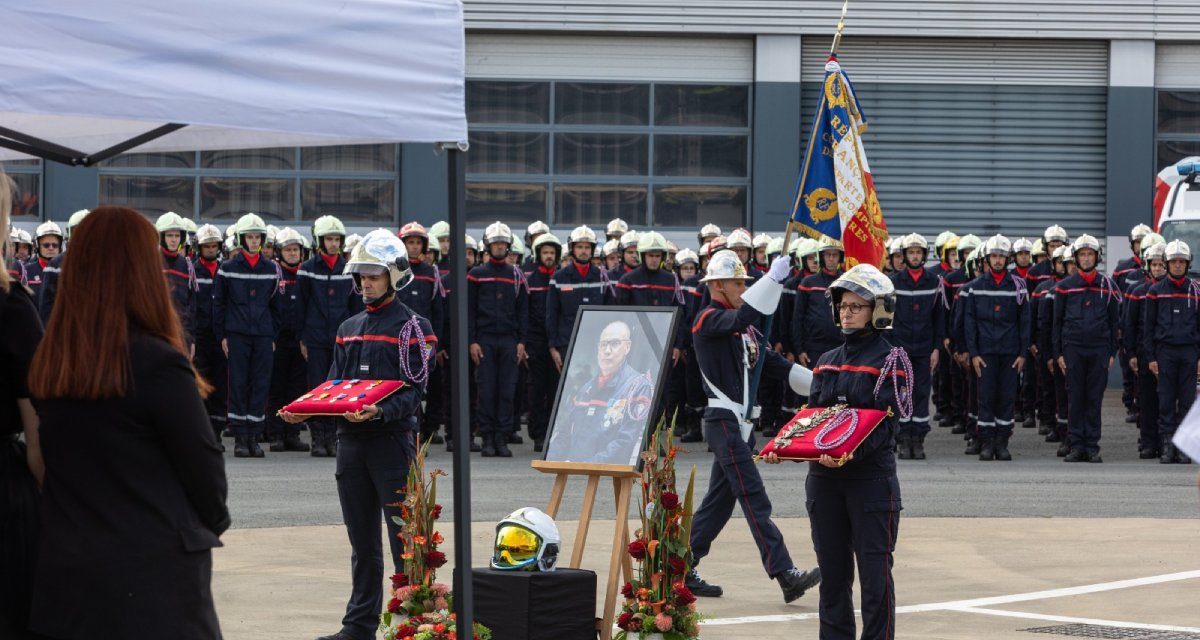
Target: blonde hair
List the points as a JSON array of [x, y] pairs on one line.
[[6, 189]]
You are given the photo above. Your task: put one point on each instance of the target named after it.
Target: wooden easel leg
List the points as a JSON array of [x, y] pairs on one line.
[[556, 495], [618, 553], [585, 520], [626, 561]]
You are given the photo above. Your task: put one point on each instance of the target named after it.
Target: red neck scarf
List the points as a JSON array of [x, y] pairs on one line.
[[583, 268], [916, 274], [495, 261], [169, 254], [546, 270], [997, 276], [382, 304], [211, 266], [251, 258], [330, 260], [1089, 277], [1178, 282], [1023, 271]]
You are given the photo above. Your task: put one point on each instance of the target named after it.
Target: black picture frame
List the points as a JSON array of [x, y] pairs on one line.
[[633, 316]]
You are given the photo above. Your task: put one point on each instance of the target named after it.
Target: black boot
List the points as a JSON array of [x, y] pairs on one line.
[[489, 446], [1053, 437], [973, 447], [795, 582], [292, 442], [539, 446], [241, 447], [693, 435], [1168, 453], [1147, 453], [987, 448], [318, 441], [1181, 457], [904, 447], [501, 444], [959, 427], [1063, 450], [1002, 448], [1076, 455], [700, 588], [1030, 422], [277, 445], [514, 438], [255, 450], [1044, 429], [331, 443], [918, 447]]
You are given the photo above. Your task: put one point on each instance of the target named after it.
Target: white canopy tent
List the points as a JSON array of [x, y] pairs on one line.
[[82, 81]]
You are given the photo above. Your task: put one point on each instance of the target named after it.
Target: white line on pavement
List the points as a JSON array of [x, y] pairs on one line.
[[1091, 621]]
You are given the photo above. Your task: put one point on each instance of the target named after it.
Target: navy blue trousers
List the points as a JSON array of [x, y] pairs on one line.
[[1148, 437], [497, 379], [918, 424], [543, 385], [210, 362], [250, 363], [1087, 376], [319, 362], [289, 380], [733, 480], [998, 387], [855, 520], [372, 467], [1176, 387]]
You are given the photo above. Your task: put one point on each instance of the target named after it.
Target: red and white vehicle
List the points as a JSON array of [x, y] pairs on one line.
[[1177, 202]]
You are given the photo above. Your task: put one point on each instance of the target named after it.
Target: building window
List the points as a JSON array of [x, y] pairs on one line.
[[569, 153], [1178, 127], [357, 183], [26, 176]]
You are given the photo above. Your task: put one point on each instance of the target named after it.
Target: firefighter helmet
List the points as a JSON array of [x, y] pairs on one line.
[[869, 283]]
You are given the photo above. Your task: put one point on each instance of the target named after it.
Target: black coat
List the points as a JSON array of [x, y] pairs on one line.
[[133, 503]]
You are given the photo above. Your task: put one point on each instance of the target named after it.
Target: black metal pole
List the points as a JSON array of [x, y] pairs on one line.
[[464, 597]]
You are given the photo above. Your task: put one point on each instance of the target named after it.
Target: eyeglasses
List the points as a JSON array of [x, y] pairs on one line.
[[49, 245], [611, 345], [852, 307]]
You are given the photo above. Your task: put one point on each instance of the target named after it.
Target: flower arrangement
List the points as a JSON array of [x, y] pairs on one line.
[[419, 608], [658, 600]]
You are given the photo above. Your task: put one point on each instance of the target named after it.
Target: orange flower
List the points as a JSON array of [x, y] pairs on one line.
[[437, 537], [439, 627], [419, 540], [407, 555]]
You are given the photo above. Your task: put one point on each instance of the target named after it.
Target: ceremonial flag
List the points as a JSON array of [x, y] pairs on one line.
[[835, 196]]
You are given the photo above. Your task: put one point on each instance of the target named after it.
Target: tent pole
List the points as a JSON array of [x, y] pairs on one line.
[[460, 420]]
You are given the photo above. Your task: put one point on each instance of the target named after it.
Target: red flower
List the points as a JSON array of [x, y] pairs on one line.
[[404, 631], [637, 549], [683, 596], [437, 511], [625, 620], [678, 566], [627, 590], [399, 580], [435, 559], [394, 605], [669, 500]]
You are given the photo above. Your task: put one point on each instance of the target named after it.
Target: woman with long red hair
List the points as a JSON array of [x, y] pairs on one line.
[[134, 491]]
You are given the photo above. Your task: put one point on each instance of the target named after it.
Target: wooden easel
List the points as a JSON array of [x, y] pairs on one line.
[[619, 563]]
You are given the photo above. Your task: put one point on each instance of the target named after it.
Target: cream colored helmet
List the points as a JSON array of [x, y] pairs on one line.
[[725, 265], [544, 239], [1039, 248], [739, 239], [1139, 232], [1178, 249], [537, 227], [288, 235], [762, 241], [968, 243], [998, 245], [170, 221], [1055, 232], [208, 233], [775, 246], [1059, 253], [439, 230], [1086, 241], [652, 241], [708, 231], [869, 283], [610, 247], [497, 232], [517, 247], [250, 223], [352, 241], [582, 233], [1022, 244], [74, 221], [378, 252], [628, 239], [685, 256], [1156, 251], [616, 228], [807, 247], [48, 228]]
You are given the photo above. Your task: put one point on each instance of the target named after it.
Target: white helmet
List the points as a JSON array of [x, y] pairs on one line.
[[272, 231], [893, 246], [208, 233], [725, 265], [381, 251], [497, 232], [74, 220], [761, 241], [230, 244], [1139, 232], [250, 223], [170, 221], [1086, 241], [537, 227], [1068, 254], [288, 235], [942, 239], [48, 228], [739, 239], [685, 256], [20, 236], [517, 247], [471, 244], [1055, 232], [997, 245], [807, 247], [527, 539], [914, 241], [352, 241], [628, 239], [610, 247], [827, 243], [775, 246], [1178, 249], [1039, 248], [582, 233], [1059, 253], [708, 231], [1022, 245], [545, 239], [968, 243], [1156, 251], [652, 241], [327, 226], [868, 282], [616, 228], [439, 230]]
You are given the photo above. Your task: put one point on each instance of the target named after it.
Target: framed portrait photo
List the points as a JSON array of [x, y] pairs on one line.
[[612, 385]]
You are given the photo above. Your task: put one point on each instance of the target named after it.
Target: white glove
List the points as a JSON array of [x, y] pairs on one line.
[[781, 268]]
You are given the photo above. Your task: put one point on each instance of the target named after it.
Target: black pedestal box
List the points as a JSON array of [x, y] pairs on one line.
[[535, 605]]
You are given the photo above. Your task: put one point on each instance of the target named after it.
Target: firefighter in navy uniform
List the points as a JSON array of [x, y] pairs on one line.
[[1154, 257], [1042, 321], [918, 328], [534, 231], [854, 509], [576, 284], [627, 254], [1172, 342], [813, 328], [48, 243], [942, 390], [996, 321], [543, 374], [387, 341], [1026, 412], [289, 374], [209, 358], [727, 351], [498, 306], [246, 295], [470, 251], [615, 229], [961, 380], [179, 272], [687, 269], [49, 289], [327, 299], [1086, 330], [424, 297], [1130, 272]]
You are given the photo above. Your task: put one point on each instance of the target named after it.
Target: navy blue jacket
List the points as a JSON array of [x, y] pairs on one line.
[[1086, 314], [49, 288], [1172, 316], [1133, 314], [957, 330], [996, 317], [570, 288], [614, 276], [813, 331], [920, 322], [848, 374], [694, 293], [1128, 273], [327, 299], [291, 313], [423, 294], [246, 298], [645, 288], [720, 341], [33, 275], [538, 278], [369, 346], [1042, 316], [205, 308], [497, 301], [181, 282], [1041, 272]]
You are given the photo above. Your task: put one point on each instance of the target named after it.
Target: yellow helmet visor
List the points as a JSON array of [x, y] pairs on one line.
[[516, 547]]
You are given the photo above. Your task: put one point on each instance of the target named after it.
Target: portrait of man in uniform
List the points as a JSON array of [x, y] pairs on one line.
[[610, 386]]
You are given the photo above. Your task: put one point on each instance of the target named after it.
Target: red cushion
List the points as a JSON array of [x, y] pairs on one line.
[[335, 397], [838, 433]]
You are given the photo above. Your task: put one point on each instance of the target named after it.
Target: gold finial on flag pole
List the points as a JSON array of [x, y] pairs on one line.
[[837, 37]]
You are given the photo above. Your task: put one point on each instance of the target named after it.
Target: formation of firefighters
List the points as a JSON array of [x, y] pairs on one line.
[[999, 332]]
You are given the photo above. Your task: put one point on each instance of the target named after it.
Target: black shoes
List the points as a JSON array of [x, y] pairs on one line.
[[1095, 458], [918, 448], [694, 435], [700, 588], [538, 446], [247, 447], [795, 582], [1053, 437], [1030, 422], [958, 428], [1172, 455], [1001, 447], [502, 450], [341, 635], [1076, 456], [1148, 453], [292, 442], [987, 451], [1063, 450], [515, 438], [1131, 418], [277, 445], [489, 447], [974, 447], [904, 445], [1044, 429]]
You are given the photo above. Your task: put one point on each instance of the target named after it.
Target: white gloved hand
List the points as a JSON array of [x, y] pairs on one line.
[[781, 268]]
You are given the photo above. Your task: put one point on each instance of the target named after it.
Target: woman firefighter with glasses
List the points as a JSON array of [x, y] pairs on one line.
[[854, 503]]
